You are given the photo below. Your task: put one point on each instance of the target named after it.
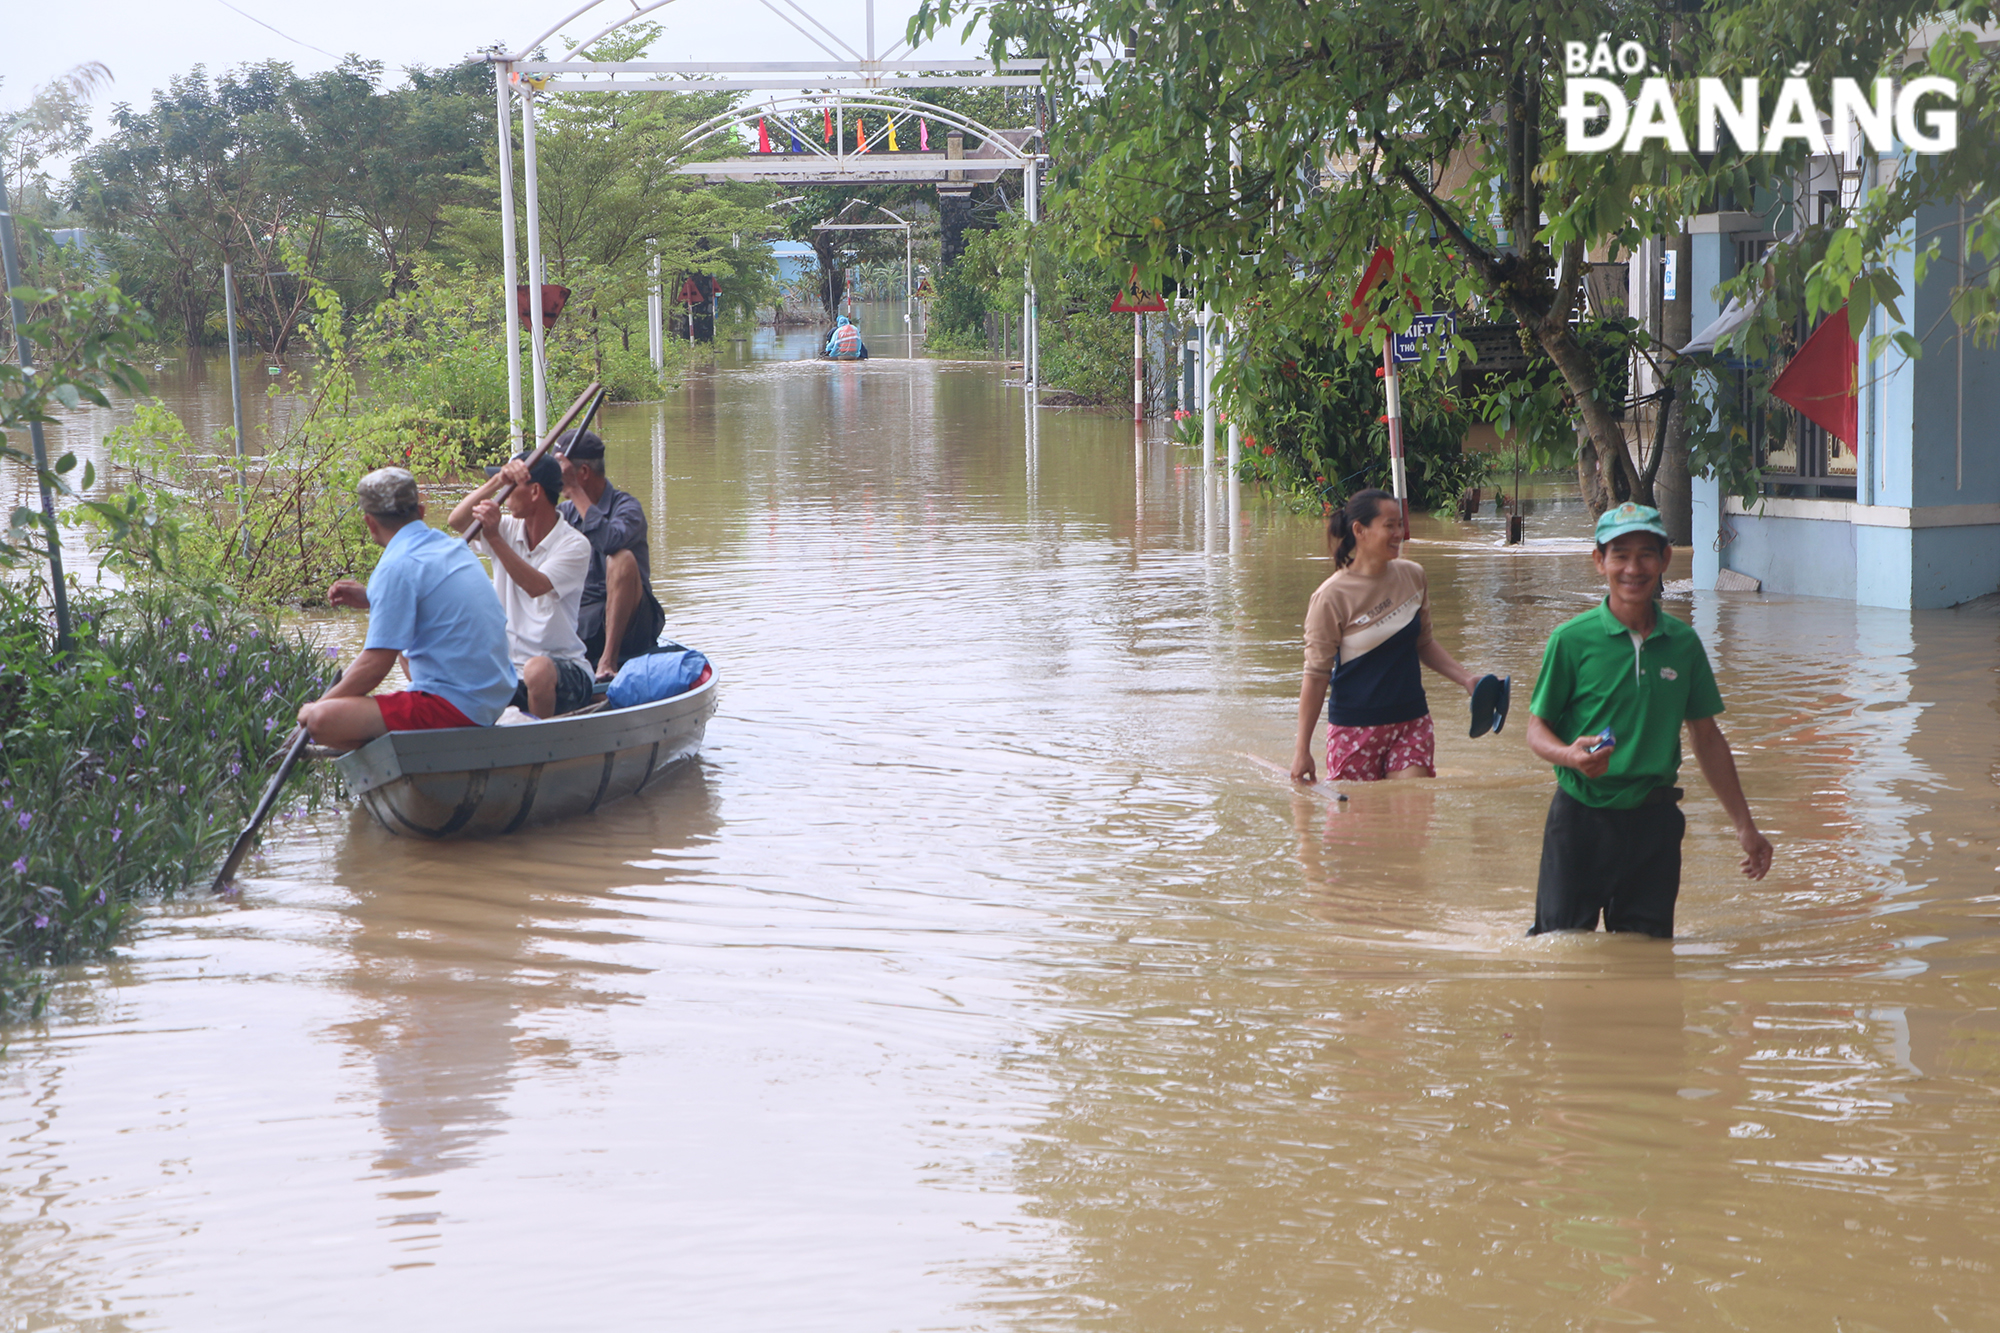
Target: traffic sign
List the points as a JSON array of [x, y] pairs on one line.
[[1132, 301], [1409, 346]]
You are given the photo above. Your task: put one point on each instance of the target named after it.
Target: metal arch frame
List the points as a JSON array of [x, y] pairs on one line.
[[909, 261], [857, 76], [860, 164]]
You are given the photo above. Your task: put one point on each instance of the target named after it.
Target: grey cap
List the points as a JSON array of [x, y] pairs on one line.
[[389, 493]]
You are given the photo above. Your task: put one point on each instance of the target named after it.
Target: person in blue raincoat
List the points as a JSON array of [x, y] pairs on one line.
[[844, 343]]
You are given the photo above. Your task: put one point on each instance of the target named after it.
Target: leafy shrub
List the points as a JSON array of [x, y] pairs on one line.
[[131, 765], [1312, 413], [958, 309]]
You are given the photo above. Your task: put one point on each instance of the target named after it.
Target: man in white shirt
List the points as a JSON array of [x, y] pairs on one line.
[[539, 567]]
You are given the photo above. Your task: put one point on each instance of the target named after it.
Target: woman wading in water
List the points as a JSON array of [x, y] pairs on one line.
[[1367, 629]]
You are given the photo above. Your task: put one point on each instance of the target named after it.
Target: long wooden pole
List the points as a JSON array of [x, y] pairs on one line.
[[295, 746], [593, 396]]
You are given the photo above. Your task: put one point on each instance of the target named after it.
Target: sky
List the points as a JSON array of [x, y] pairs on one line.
[[148, 42]]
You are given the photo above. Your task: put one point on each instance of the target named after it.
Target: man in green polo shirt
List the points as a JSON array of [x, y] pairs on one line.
[[1617, 684]]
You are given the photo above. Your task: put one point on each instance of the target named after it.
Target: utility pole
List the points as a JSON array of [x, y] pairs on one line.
[[235, 384]]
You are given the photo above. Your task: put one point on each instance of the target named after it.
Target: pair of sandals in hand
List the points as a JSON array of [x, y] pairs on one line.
[[1490, 696]]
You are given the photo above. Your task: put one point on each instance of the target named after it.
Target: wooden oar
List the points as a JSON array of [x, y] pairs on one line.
[[247, 838], [594, 395]]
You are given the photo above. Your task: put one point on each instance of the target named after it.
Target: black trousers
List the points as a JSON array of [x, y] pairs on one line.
[[1625, 864], [642, 632]]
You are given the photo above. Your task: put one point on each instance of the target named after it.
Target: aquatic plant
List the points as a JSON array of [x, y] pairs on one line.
[[128, 766]]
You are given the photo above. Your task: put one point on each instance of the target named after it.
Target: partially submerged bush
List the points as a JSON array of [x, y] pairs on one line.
[[127, 769]]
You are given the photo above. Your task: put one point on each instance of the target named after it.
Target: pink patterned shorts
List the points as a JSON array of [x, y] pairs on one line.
[[1370, 754]]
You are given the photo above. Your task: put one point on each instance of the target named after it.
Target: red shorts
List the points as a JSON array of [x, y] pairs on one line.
[[1370, 754], [414, 710]]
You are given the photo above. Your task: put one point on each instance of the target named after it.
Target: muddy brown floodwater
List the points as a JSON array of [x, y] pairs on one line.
[[974, 978]]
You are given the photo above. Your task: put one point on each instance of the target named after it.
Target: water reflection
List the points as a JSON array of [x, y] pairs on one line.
[[457, 976]]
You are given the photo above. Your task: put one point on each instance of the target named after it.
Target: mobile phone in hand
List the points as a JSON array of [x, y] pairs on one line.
[[1605, 740]]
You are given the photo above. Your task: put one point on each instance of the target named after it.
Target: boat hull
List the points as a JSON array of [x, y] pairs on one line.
[[473, 782]]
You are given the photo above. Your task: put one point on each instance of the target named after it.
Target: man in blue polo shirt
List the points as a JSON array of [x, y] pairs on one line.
[[429, 602], [1618, 683]]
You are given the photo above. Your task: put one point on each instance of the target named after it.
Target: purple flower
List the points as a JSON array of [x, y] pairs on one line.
[[203, 631], [100, 897], [116, 834], [234, 768], [41, 922], [332, 653], [232, 647], [166, 622], [252, 632], [138, 742], [180, 657], [26, 818], [20, 865], [7, 803], [138, 712]]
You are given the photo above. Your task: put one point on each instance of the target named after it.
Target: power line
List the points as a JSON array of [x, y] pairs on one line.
[[287, 36]]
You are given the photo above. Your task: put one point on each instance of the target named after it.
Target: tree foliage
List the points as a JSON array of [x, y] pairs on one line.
[[354, 177], [1262, 151]]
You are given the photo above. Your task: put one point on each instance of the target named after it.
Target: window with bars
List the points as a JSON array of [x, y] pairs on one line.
[[1797, 456]]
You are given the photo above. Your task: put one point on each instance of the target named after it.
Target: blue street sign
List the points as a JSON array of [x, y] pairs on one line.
[[1410, 346]]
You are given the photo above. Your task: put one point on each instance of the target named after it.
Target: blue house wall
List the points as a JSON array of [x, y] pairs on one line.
[[1924, 527]]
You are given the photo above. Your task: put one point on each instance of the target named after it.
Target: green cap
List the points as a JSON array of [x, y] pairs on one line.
[[1628, 517]]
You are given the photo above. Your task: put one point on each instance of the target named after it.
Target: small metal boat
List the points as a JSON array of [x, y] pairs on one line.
[[470, 782]]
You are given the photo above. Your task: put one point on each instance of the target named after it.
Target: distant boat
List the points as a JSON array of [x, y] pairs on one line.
[[475, 782], [844, 343]]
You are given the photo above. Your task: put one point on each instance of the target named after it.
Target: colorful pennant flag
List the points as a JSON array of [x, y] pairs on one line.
[[796, 148], [827, 111], [763, 137], [860, 135], [924, 135], [892, 136]]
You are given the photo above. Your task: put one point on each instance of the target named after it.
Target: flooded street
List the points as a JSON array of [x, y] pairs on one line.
[[977, 978]]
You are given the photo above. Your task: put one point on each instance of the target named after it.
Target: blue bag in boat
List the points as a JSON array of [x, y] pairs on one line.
[[656, 676]]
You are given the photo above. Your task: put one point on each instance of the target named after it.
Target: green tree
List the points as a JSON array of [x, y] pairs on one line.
[[54, 124], [1261, 151], [350, 177]]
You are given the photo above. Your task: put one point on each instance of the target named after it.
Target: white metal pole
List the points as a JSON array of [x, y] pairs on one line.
[[235, 371], [1393, 384], [1235, 426], [538, 347], [1138, 368], [1207, 391], [510, 318], [656, 338], [1031, 331]]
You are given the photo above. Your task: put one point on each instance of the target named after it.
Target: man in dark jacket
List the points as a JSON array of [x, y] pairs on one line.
[[619, 617]]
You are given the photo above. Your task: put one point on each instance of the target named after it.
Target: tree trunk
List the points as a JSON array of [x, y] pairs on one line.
[[1621, 478], [832, 282], [1589, 476], [1672, 486]]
